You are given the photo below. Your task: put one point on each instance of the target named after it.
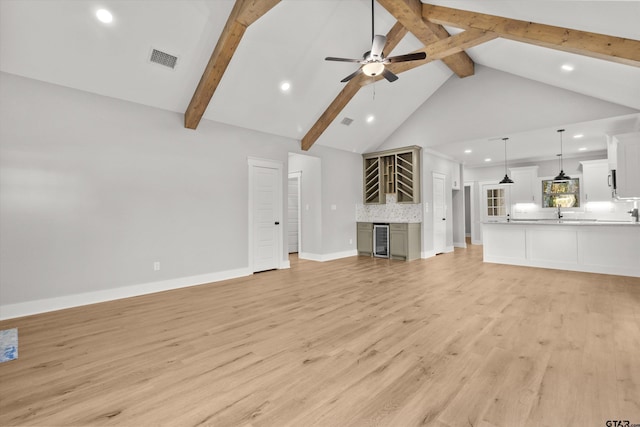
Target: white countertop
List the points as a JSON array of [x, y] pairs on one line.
[[598, 223]]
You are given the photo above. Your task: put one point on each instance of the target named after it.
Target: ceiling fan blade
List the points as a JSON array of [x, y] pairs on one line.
[[408, 57], [352, 75], [331, 58], [378, 45], [389, 75]]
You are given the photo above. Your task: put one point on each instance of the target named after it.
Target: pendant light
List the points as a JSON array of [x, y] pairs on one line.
[[561, 176], [506, 180]]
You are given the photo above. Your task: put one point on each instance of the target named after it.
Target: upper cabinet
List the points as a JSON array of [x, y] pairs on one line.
[[392, 172], [627, 182], [525, 185], [595, 180]]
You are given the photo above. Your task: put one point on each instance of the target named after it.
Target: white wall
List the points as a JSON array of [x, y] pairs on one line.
[[491, 103], [93, 190]]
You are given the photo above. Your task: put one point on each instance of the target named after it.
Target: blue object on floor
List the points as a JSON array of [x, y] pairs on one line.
[[8, 345]]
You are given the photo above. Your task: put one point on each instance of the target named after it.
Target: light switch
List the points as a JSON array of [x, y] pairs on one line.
[[334, 207]]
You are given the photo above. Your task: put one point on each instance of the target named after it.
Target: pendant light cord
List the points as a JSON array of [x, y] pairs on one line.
[[561, 153], [505, 155]]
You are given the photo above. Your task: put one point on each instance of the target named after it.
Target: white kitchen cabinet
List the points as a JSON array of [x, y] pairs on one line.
[[525, 188], [627, 170], [595, 181]]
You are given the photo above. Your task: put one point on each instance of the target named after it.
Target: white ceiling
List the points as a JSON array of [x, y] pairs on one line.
[[61, 42]]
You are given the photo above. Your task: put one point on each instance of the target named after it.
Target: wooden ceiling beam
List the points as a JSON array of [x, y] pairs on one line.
[[243, 14], [445, 48], [601, 46], [409, 14], [397, 32]]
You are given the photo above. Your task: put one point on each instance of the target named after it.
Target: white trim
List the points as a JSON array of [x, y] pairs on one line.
[[278, 166], [600, 269], [433, 205], [298, 176], [425, 255], [476, 242], [285, 264], [448, 249], [10, 311], [327, 257], [460, 245]]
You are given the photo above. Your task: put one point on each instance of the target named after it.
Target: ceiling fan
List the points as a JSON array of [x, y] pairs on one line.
[[373, 62]]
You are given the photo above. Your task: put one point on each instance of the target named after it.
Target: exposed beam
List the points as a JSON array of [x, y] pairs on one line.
[[445, 48], [409, 14], [243, 14], [352, 87], [610, 48]]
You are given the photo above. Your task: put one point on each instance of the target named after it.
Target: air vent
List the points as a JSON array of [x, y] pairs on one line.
[[163, 58], [346, 121]]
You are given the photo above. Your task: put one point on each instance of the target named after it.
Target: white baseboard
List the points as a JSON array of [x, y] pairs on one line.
[[285, 264], [476, 242], [429, 254], [459, 244], [448, 249], [10, 311], [327, 257]]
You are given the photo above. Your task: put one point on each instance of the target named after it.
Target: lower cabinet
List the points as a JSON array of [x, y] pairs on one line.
[[365, 238], [404, 240]]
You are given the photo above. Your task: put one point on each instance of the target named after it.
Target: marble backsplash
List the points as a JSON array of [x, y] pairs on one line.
[[389, 212]]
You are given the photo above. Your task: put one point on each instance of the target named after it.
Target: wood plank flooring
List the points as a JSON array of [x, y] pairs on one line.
[[448, 341]]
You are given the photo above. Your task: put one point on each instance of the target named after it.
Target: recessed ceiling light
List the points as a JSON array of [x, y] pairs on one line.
[[104, 15], [582, 149], [285, 86], [370, 119], [487, 159], [577, 136], [467, 151], [567, 67]]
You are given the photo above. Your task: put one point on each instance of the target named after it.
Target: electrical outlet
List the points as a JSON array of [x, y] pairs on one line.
[[156, 266], [334, 207]]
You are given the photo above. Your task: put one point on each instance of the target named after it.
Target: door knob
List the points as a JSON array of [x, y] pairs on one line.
[[444, 219], [277, 223]]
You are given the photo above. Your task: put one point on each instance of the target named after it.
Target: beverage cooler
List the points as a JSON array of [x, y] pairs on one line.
[[381, 240]]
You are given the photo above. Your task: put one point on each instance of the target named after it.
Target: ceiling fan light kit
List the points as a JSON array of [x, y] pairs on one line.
[[374, 61]]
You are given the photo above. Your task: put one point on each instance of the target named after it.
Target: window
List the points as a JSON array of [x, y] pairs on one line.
[[562, 194], [496, 205]]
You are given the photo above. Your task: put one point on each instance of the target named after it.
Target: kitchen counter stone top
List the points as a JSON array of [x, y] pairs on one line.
[[588, 222]]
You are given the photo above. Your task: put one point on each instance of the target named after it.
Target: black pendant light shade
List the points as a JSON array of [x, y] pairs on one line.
[[506, 180], [561, 177]]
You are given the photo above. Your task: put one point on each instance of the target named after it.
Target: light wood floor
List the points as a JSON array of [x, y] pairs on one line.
[[447, 341]]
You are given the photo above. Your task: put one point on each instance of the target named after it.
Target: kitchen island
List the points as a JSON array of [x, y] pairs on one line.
[[589, 246]]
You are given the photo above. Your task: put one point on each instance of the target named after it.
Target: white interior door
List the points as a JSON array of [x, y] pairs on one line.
[[293, 210], [439, 214], [265, 215]]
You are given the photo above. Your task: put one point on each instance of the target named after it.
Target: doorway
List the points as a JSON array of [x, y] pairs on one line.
[[293, 213], [439, 214], [265, 215]]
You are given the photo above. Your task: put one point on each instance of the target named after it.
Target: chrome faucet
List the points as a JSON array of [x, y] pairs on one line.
[[634, 214], [559, 213]]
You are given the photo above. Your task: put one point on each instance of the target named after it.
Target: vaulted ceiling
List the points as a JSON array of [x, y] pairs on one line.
[[262, 44]]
